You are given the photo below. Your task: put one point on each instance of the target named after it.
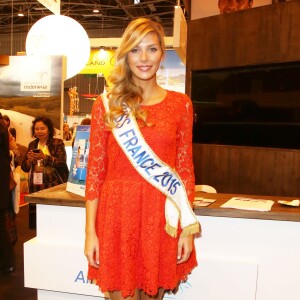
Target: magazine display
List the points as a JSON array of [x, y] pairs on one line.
[[78, 168]]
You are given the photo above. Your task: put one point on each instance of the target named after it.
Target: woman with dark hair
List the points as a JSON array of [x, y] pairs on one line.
[[7, 259], [45, 161], [85, 121]]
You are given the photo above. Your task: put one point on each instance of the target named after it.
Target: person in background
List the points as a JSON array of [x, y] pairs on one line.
[[67, 134], [13, 147], [7, 256], [12, 131], [227, 6], [73, 128], [85, 121], [133, 245], [45, 160]]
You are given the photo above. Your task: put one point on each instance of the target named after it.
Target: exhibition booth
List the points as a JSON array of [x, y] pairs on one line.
[[242, 254]]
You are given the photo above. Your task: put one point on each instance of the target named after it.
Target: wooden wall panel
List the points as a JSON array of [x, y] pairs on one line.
[[248, 170], [261, 35], [257, 36]]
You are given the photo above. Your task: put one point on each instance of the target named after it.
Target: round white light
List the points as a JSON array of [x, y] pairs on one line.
[[60, 35]]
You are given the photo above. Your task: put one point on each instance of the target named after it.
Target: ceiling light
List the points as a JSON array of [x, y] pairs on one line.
[[20, 12], [96, 10], [56, 35], [102, 53], [92, 15]]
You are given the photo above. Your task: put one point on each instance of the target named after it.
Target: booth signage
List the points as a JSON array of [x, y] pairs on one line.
[[100, 62]]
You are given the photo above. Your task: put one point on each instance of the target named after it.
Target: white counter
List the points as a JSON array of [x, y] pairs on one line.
[[239, 258]]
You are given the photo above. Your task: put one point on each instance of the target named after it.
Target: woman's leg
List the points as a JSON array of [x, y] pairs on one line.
[[159, 295], [117, 296], [139, 295]]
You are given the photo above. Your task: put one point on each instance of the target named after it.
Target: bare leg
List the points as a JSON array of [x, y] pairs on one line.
[[139, 295], [117, 296], [159, 295]]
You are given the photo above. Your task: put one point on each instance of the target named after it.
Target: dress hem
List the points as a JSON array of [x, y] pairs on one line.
[[127, 293]]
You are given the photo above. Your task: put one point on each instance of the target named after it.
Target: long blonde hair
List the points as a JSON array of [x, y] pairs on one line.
[[123, 89]]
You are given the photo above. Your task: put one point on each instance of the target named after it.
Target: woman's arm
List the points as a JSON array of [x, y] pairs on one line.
[[58, 155], [98, 153], [91, 249], [185, 169], [184, 152], [96, 173], [28, 158]]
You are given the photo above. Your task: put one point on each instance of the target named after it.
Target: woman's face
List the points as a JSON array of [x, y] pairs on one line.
[[41, 131], [66, 128], [6, 123], [144, 60]]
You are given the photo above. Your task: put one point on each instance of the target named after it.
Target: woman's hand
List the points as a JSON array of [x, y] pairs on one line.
[[91, 249], [185, 247], [30, 156], [38, 155], [34, 156]]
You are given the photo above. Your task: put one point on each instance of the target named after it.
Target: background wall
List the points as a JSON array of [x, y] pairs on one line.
[[264, 35], [203, 8]]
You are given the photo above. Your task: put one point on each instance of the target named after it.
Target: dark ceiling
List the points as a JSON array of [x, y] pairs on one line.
[[113, 14]]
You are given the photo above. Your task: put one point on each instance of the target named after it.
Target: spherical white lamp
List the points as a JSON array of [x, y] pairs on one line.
[[60, 35]]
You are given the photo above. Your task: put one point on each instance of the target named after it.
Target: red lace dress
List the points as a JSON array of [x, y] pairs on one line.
[[135, 250]]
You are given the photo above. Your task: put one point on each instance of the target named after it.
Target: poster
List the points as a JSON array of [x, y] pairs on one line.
[[79, 160], [31, 86], [171, 74]]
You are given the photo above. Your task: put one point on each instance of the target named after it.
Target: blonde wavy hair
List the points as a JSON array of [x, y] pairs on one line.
[[123, 90]]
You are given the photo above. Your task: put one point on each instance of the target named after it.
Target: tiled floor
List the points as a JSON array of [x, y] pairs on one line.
[[12, 285]]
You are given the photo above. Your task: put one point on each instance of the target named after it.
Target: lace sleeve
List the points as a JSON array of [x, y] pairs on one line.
[[97, 163], [184, 159]]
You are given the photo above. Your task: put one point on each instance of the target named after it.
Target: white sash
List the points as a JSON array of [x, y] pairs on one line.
[[156, 172]]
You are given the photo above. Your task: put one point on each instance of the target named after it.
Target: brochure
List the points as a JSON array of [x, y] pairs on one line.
[[249, 204], [200, 201], [78, 167]]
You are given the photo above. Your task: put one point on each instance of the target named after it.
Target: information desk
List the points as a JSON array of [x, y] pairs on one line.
[[242, 255]]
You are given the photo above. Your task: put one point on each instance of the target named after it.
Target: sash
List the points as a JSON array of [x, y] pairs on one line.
[[156, 172]]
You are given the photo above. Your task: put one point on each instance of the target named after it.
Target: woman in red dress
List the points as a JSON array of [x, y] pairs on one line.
[[130, 254]]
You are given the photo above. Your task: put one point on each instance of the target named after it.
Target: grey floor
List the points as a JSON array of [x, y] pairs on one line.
[[12, 285]]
